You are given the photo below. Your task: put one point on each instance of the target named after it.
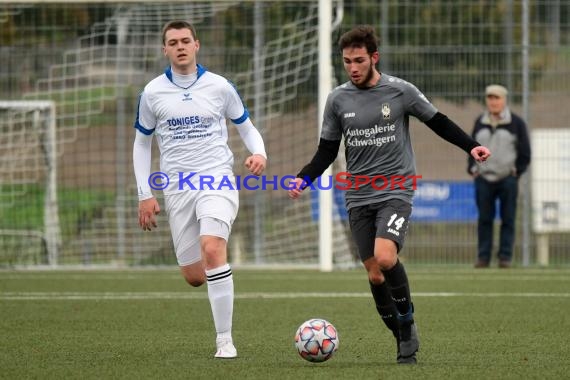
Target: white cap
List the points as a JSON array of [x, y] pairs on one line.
[[497, 90]]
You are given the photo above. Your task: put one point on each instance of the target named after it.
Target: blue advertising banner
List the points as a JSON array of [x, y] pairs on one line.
[[434, 201], [445, 201]]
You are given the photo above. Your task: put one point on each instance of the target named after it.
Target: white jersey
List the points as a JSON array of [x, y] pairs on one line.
[[190, 124]]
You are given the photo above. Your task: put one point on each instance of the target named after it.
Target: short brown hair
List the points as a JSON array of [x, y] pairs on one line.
[[177, 24], [360, 36]]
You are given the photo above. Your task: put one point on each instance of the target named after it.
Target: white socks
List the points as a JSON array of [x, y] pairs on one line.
[[221, 295]]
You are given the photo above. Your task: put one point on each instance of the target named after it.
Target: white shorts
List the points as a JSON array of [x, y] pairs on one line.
[[192, 214]]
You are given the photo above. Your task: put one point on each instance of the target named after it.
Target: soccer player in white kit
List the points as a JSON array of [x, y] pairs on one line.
[[186, 108]]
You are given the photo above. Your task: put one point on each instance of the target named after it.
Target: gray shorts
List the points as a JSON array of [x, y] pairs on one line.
[[387, 220]]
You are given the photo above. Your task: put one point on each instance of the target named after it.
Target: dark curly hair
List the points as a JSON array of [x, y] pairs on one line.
[[360, 36]]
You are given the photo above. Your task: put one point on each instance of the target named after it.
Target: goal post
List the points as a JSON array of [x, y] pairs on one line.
[[325, 86], [29, 145]]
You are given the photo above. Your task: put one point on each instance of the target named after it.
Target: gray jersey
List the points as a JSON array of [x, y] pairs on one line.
[[375, 126]]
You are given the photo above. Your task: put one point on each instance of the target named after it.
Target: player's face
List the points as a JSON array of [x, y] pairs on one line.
[[495, 104], [360, 66], [180, 48]]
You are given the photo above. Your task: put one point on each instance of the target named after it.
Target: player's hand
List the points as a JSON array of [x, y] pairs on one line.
[[147, 211], [480, 153], [296, 188], [256, 164]]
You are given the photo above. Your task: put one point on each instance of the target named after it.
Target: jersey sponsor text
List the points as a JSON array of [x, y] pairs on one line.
[[378, 141]]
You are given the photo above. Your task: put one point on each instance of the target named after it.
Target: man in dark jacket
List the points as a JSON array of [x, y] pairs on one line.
[[505, 134]]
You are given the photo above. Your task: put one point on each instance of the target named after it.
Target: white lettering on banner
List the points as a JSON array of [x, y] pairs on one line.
[[433, 192]]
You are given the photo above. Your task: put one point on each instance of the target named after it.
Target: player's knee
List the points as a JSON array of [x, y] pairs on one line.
[[195, 281], [194, 274], [375, 277], [385, 262], [212, 246]]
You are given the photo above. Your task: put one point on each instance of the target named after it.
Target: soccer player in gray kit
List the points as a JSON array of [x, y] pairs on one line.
[[371, 111]]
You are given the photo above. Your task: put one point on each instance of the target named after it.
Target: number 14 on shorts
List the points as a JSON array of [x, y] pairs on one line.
[[397, 223]]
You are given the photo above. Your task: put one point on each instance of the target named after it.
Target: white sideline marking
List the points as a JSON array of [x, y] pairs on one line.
[[142, 274], [6, 296]]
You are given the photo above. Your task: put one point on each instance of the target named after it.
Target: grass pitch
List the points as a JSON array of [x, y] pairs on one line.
[[147, 324]]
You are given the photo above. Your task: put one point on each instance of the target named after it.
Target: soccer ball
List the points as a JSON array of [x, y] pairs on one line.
[[316, 340]]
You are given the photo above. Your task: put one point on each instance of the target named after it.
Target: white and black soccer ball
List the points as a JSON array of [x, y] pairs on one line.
[[316, 340]]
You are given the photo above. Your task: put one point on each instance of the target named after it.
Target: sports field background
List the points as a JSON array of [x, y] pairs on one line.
[[92, 59], [144, 322], [148, 324]]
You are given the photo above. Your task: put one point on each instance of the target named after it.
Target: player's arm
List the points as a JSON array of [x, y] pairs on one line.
[[323, 158], [142, 149], [239, 115], [142, 152], [329, 143], [148, 205], [253, 141], [450, 132], [471, 164]]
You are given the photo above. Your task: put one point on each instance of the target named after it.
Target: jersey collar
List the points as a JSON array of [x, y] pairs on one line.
[[200, 71]]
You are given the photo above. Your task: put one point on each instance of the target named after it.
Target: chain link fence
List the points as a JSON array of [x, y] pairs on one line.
[[93, 59]]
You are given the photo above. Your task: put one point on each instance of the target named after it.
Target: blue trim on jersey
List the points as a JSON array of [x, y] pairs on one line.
[[200, 70], [142, 129], [168, 73], [245, 115], [138, 125], [242, 118]]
